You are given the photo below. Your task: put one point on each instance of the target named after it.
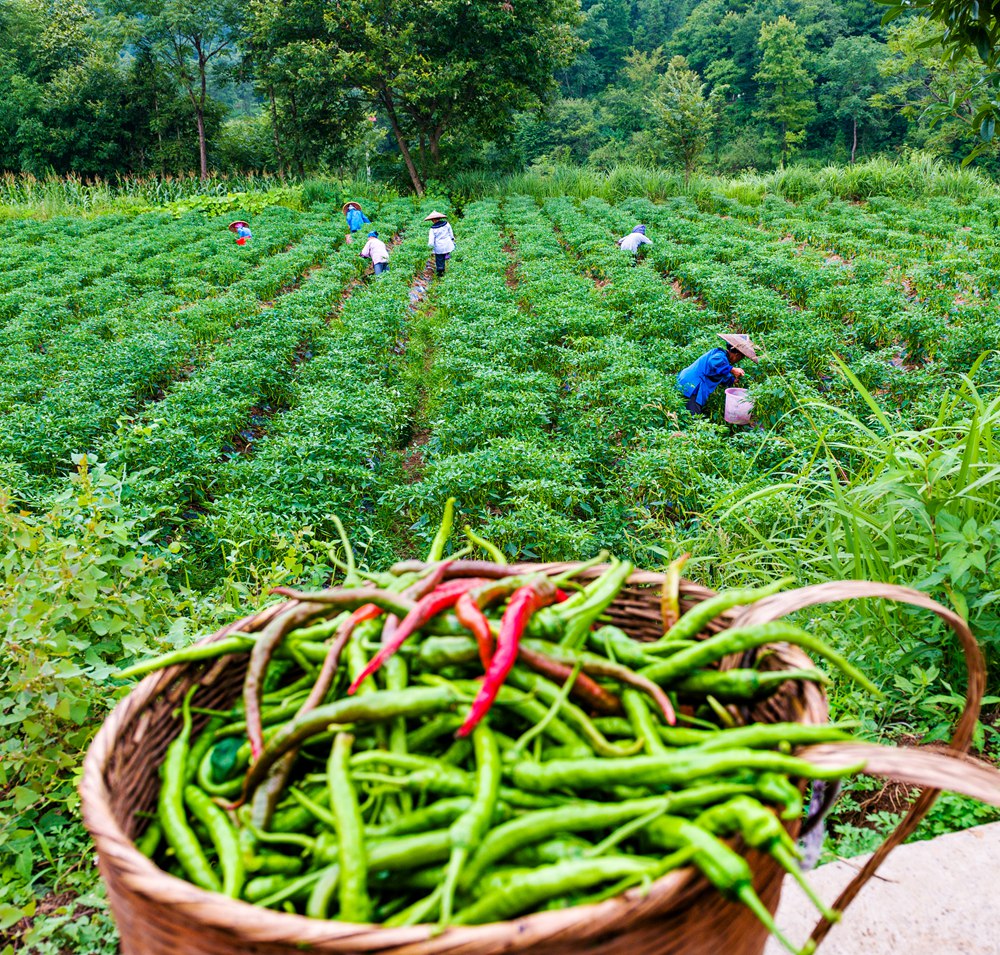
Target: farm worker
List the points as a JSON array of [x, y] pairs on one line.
[[242, 231], [635, 239], [355, 217], [376, 251], [714, 368], [441, 239]]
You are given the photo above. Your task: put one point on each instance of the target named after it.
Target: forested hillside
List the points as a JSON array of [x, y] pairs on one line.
[[418, 91]]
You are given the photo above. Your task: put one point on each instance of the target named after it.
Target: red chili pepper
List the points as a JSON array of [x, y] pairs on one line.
[[584, 688], [472, 618], [523, 603], [367, 612], [427, 607]]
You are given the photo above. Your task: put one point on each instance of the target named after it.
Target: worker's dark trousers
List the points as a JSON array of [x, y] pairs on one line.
[[439, 260], [693, 406]]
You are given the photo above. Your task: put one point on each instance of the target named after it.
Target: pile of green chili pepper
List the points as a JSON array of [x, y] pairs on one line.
[[451, 743]]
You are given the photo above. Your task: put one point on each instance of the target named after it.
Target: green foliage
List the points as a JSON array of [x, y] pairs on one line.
[[967, 30], [854, 70], [238, 203], [105, 595], [785, 103], [81, 592], [435, 71], [687, 116], [846, 838], [243, 396]]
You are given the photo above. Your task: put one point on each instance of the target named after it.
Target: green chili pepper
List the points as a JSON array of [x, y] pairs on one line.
[[444, 532], [742, 684], [704, 612], [172, 817], [468, 830], [668, 770], [223, 836], [761, 829], [437, 726], [616, 644], [526, 891], [441, 812], [352, 878], [371, 707], [724, 868], [549, 693], [779, 789], [737, 640], [642, 721], [204, 742], [207, 651], [150, 840], [503, 840], [494, 552], [763, 735], [262, 886]]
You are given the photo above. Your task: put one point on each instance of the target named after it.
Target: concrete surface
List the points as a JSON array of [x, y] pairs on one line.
[[940, 897]]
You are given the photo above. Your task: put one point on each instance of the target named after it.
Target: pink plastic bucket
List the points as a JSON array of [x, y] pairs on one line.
[[738, 406]]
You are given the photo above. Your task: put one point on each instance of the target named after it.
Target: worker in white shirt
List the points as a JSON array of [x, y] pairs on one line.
[[633, 241], [376, 251]]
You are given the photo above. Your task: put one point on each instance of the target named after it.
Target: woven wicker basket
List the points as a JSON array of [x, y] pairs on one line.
[[158, 914]]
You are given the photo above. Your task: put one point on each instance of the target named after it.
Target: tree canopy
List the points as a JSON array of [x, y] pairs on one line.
[[417, 90]]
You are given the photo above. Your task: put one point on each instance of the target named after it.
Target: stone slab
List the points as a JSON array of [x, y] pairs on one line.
[[940, 897]]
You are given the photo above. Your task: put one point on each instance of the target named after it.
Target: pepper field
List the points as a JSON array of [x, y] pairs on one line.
[[182, 418]]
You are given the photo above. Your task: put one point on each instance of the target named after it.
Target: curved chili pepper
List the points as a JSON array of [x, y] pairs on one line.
[[584, 688], [523, 603], [472, 617], [443, 597]]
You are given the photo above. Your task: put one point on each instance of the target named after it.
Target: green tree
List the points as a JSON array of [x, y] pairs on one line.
[[928, 90], [606, 31], [784, 98], [188, 38], [851, 67], [433, 67], [967, 30], [686, 116], [62, 89]]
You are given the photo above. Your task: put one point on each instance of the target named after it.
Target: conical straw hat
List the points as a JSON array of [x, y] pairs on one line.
[[435, 215], [742, 344]]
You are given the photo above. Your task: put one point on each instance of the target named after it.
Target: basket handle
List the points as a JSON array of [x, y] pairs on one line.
[[933, 769]]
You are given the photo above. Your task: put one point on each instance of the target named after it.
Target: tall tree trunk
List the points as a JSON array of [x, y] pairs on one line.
[[299, 162], [200, 109], [422, 152], [386, 96], [159, 131], [854, 144], [435, 143], [274, 131], [202, 146]]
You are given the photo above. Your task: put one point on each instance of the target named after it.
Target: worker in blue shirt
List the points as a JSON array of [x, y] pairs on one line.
[[355, 217], [714, 368], [242, 231]]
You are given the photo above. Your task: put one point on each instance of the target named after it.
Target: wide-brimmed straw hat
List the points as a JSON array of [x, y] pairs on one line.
[[742, 344], [435, 215], [348, 205], [233, 226]]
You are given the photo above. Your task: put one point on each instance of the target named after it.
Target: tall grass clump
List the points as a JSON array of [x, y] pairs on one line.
[[917, 175], [890, 502], [49, 196]]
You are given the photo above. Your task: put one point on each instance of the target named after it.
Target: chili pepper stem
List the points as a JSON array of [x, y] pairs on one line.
[[785, 859], [751, 900]]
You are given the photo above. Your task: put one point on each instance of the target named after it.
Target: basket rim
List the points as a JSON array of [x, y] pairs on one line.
[[263, 925]]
